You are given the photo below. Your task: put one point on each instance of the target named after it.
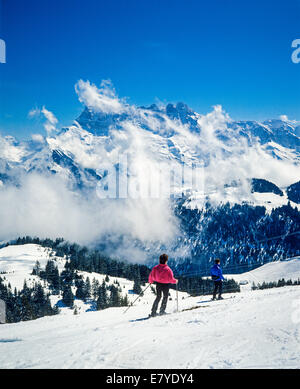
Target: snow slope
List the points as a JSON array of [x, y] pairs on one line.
[[271, 272], [17, 262], [127, 289], [257, 329], [233, 196]]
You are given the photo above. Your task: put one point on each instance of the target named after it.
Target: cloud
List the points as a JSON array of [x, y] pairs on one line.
[[11, 150], [34, 112], [284, 118], [37, 138], [101, 99], [41, 206], [50, 119], [46, 207]]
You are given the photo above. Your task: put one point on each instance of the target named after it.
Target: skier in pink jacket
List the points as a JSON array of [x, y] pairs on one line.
[[163, 276]]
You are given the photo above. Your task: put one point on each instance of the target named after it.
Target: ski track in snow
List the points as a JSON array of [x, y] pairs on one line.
[[253, 330]]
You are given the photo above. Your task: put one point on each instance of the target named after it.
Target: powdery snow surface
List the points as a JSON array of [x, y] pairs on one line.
[[258, 329]]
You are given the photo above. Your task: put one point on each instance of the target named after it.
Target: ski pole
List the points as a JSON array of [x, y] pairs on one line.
[[177, 295], [142, 292]]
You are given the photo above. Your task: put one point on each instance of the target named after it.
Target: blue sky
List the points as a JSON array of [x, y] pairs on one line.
[[234, 53]]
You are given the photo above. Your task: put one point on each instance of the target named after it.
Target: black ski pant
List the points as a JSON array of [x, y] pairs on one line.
[[218, 288], [161, 289]]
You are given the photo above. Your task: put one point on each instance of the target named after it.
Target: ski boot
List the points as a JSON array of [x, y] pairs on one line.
[[162, 313]]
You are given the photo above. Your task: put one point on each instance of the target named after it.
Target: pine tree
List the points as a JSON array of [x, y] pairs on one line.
[[137, 287], [37, 269], [95, 288], [68, 297], [80, 290], [87, 289], [125, 301], [115, 298], [38, 300], [102, 301], [55, 282]]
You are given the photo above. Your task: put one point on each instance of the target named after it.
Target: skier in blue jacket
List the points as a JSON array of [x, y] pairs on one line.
[[217, 277]]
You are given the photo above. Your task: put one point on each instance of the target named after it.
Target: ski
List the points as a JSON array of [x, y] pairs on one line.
[[224, 298], [192, 308], [183, 310], [150, 317], [167, 314]]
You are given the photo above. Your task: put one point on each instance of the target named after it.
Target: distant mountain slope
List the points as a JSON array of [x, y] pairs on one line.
[[293, 192], [271, 272], [17, 263], [172, 134], [264, 186]]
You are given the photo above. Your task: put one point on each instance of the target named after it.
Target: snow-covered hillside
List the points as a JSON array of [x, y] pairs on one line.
[[17, 262], [127, 289], [251, 329], [271, 272], [259, 329], [233, 196]]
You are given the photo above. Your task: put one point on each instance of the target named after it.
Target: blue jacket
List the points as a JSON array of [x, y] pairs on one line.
[[216, 273]]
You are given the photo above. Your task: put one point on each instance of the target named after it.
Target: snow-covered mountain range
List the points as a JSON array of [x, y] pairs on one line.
[[54, 185], [231, 153], [165, 135], [168, 134], [173, 132]]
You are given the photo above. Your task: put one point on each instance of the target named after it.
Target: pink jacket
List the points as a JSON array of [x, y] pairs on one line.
[[162, 274]]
